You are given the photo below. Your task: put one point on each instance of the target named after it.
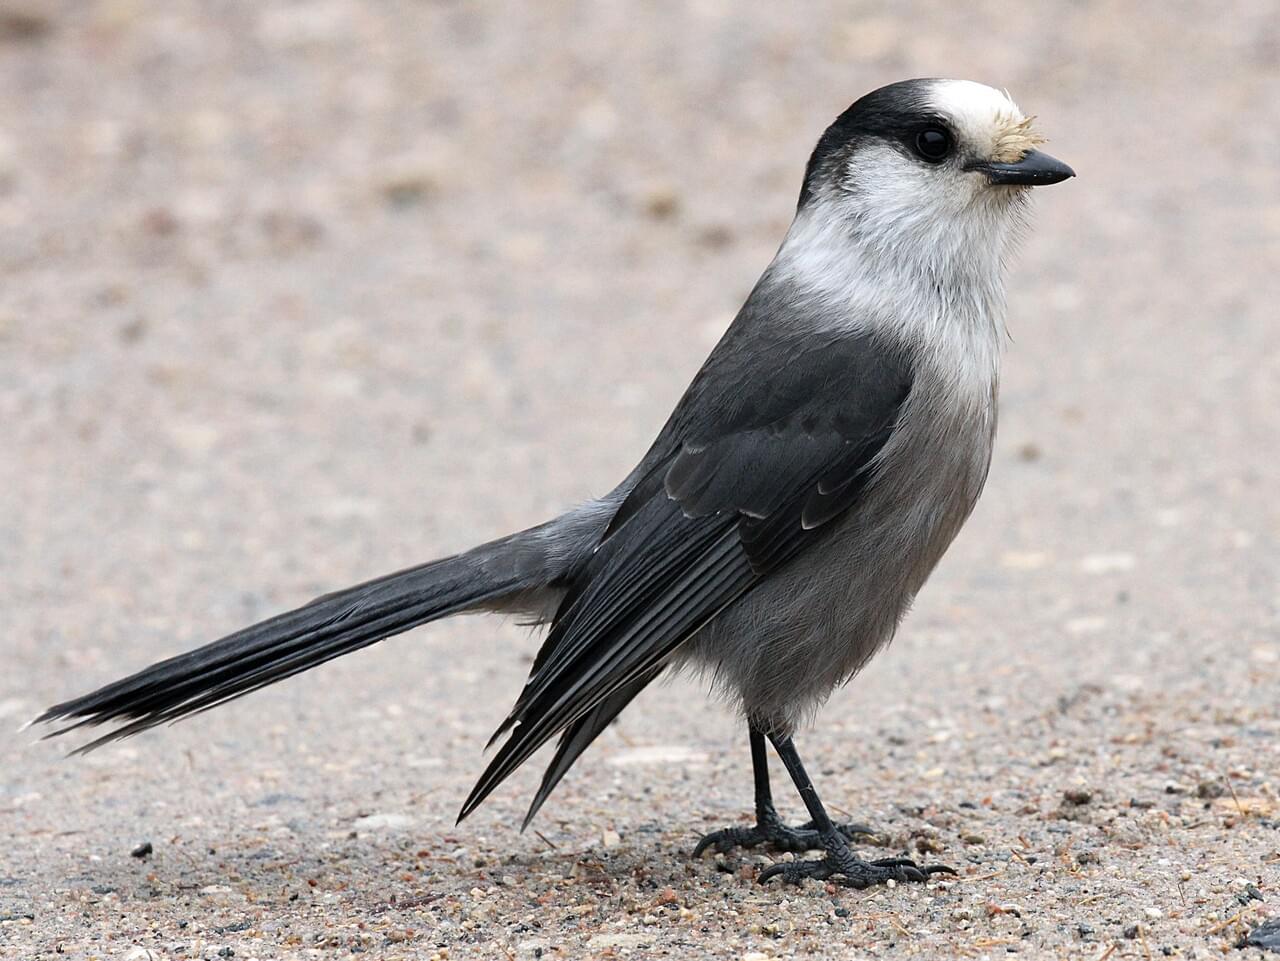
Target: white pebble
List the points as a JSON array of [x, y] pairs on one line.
[[1107, 563]]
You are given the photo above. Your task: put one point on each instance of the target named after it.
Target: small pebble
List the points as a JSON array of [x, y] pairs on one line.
[[662, 204], [1208, 790]]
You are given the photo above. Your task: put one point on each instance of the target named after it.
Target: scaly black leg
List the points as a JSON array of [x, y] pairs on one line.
[[769, 827], [839, 860]]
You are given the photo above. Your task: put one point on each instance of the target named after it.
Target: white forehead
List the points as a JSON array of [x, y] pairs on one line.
[[979, 112]]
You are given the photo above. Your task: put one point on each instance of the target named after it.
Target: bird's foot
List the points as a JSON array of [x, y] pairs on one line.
[[771, 830], [852, 871]]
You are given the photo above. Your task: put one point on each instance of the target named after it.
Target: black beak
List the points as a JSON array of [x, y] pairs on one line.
[[1035, 169]]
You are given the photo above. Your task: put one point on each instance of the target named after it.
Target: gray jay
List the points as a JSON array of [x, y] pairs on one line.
[[796, 500]]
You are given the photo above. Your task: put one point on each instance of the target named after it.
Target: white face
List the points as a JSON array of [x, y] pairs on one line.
[[890, 187], [911, 201], [987, 122]]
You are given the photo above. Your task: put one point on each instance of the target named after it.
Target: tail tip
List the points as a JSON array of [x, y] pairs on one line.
[[42, 718]]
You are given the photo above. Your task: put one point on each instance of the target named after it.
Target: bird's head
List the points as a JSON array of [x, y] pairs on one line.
[[928, 161]]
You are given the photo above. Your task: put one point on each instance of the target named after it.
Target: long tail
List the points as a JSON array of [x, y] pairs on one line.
[[514, 573]]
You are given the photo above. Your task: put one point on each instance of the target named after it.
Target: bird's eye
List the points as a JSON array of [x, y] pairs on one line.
[[933, 144]]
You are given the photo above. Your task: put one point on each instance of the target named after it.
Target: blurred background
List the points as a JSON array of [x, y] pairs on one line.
[[295, 294]]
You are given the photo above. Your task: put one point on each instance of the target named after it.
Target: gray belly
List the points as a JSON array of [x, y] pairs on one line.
[[780, 650]]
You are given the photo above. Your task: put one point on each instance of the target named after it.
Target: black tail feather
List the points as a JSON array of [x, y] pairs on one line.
[[320, 631], [577, 737]]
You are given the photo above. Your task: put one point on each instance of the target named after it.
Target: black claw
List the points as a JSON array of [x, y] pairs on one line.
[[770, 830], [895, 863], [728, 839], [819, 870], [854, 872]]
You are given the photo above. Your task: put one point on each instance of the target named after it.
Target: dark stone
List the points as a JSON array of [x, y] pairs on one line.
[[1210, 790]]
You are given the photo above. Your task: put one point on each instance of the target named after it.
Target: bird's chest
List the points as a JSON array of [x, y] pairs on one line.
[[933, 476]]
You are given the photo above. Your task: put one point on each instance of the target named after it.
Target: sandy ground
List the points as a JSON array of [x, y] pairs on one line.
[[292, 295]]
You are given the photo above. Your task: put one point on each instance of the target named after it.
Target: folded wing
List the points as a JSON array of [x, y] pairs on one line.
[[745, 476]]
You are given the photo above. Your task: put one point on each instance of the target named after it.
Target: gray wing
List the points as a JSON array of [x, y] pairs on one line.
[[772, 441]]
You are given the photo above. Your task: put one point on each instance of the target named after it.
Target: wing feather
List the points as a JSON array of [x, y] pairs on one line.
[[744, 477]]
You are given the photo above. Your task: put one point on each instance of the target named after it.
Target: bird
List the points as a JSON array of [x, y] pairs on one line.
[[786, 515]]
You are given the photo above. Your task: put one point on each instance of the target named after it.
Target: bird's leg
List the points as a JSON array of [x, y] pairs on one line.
[[840, 860], [769, 827]]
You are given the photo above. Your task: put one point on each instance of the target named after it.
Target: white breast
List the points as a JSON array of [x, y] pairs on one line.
[[939, 295]]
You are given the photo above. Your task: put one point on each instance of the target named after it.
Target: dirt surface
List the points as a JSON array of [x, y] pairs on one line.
[[292, 295]]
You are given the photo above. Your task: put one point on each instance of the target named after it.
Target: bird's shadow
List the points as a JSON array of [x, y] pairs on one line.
[[380, 876]]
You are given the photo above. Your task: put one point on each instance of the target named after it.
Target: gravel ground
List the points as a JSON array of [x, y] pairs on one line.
[[295, 294]]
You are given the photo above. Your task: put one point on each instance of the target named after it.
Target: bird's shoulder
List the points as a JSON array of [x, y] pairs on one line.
[[776, 410]]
